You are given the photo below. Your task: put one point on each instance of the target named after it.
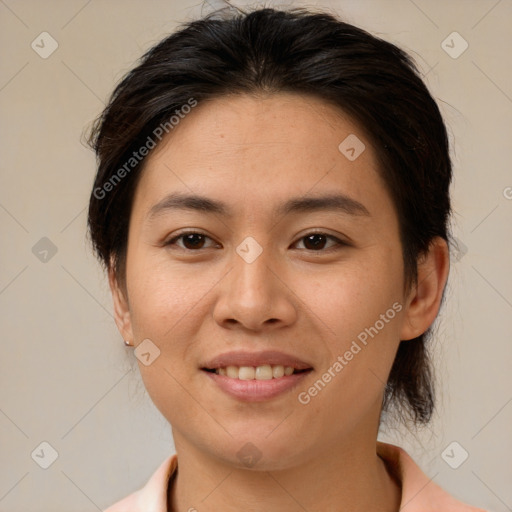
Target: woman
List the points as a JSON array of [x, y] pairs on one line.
[[271, 205]]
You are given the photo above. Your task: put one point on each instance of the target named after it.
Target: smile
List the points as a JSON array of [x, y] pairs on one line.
[[263, 372], [255, 377]]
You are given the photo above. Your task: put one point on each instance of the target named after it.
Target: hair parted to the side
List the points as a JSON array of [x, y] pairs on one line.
[[267, 51]]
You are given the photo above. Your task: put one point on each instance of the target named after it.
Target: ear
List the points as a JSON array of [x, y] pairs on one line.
[[424, 300], [122, 314]]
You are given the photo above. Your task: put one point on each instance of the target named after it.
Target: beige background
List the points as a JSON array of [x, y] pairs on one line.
[[65, 375]]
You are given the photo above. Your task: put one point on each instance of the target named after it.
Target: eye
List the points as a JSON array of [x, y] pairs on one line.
[[317, 241], [191, 240], [194, 240]]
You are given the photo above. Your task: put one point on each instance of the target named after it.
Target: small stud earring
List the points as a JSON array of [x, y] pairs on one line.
[[127, 343]]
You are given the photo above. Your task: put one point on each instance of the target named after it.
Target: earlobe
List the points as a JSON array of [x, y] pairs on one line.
[[122, 314], [425, 297]]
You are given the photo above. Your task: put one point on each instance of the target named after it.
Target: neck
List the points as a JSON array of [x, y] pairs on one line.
[[349, 476]]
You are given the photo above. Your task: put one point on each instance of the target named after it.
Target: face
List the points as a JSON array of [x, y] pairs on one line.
[[289, 257]]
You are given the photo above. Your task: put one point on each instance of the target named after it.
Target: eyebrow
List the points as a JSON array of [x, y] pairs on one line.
[[331, 202]]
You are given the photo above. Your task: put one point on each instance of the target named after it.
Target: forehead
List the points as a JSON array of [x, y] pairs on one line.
[[302, 124], [258, 148]]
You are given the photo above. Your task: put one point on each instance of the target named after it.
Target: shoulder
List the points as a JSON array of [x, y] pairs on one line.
[[419, 493], [153, 496]]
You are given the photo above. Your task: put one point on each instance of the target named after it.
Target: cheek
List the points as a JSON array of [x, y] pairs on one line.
[[361, 305], [355, 295], [164, 296], [167, 306]]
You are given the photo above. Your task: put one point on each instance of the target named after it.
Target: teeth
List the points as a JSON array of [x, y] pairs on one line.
[[277, 371], [246, 373], [288, 370], [264, 372], [232, 372]]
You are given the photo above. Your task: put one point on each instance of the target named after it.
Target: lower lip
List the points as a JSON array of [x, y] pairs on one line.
[[256, 390]]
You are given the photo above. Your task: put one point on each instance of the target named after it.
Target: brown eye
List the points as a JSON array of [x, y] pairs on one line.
[[315, 242], [318, 241], [189, 241], [193, 241]]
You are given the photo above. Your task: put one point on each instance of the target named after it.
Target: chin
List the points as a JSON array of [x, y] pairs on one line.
[[260, 451]]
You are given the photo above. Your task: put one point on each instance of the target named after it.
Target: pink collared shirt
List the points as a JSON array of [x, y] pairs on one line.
[[419, 493]]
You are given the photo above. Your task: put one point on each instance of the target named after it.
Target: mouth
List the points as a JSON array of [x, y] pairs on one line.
[[262, 372], [256, 377]]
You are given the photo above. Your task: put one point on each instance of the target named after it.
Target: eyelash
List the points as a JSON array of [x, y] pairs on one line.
[[339, 243]]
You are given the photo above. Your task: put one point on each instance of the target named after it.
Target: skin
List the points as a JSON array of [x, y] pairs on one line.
[[253, 153]]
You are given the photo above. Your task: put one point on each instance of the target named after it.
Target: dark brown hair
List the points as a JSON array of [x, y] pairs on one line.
[[271, 51]]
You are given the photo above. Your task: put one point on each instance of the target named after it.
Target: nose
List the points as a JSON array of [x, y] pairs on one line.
[[255, 296]]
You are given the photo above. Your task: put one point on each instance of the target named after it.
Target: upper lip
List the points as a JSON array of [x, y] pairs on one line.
[[244, 358]]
